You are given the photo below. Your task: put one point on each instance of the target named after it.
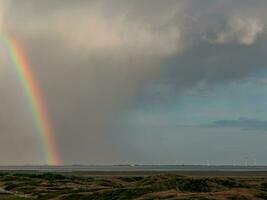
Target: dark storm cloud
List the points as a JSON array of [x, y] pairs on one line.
[[227, 41], [92, 57]]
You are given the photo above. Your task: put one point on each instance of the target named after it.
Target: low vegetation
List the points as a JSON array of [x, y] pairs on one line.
[[45, 186]]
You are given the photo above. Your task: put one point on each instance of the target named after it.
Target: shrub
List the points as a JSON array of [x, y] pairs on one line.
[[194, 185]]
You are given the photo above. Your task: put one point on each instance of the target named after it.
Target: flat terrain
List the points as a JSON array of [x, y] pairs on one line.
[[83, 186]]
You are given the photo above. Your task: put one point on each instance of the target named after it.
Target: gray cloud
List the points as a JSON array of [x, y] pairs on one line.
[[89, 65], [92, 57], [241, 31], [227, 43], [241, 123]]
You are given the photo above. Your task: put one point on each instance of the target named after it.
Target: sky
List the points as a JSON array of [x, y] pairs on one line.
[[139, 82]]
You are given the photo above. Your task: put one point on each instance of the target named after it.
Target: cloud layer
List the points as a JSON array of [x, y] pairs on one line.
[[92, 58], [241, 123]]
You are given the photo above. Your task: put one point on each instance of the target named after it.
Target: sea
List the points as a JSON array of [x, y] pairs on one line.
[[133, 168]]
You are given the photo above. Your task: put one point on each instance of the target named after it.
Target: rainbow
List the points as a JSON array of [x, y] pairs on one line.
[[18, 59]]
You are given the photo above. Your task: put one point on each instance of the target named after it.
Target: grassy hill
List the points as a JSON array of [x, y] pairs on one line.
[[21, 186]]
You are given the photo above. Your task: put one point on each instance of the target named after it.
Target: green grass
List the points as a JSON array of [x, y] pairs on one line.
[[12, 197]]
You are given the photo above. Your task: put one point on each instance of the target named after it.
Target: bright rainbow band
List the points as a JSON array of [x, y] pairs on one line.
[[32, 91]]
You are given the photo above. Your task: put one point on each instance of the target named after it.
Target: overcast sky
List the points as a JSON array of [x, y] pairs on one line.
[[148, 82]]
